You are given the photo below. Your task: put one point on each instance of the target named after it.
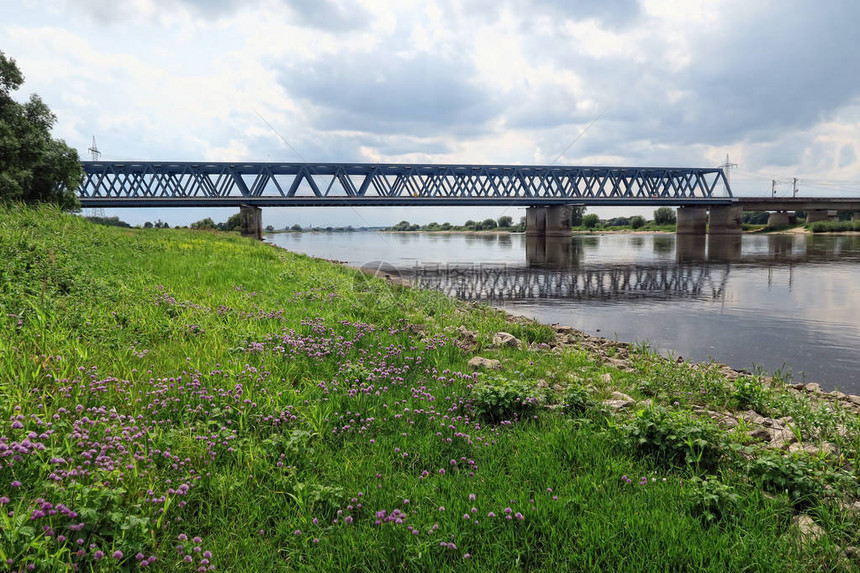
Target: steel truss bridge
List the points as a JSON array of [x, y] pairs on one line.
[[201, 184], [626, 283]]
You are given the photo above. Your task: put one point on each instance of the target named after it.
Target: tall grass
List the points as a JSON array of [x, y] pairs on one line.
[[183, 400]]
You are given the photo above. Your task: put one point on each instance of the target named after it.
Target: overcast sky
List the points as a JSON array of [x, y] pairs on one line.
[[773, 84]]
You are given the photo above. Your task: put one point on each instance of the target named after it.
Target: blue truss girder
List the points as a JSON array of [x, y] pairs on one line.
[[143, 183]]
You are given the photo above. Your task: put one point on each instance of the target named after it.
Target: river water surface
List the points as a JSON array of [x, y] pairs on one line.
[[776, 302]]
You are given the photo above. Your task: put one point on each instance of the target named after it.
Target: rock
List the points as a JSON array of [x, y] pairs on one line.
[[606, 378], [760, 434], [851, 510], [852, 552], [812, 387], [752, 417], [854, 400], [506, 339], [619, 364], [564, 329], [809, 530], [621, 396], [479, 363], [618, 404], [797, 386]]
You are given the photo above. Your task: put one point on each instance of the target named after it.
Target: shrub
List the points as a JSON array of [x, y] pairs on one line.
[[710, 500], [675, 438], [664, 216], [795, 475], [577, 401], [750, 393], [590, 221], [501, 399], [637, 222]]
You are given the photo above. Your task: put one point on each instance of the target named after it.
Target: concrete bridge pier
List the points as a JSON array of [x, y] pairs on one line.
[[820, 215], [251, 221], [778, 219], [691, 221], [548, 221], [726, 220]]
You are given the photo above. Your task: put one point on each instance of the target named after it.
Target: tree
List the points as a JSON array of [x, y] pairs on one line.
[[471, 225], [487, 225], [590, 221], [401, 226], [576, 214], [636, 222], [297, 228], [664, 216], [206, 224], [34, 167], [234, 222], [270, 228], [505, 222]]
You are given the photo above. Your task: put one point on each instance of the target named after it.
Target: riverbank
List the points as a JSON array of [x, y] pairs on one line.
[[182, 396]]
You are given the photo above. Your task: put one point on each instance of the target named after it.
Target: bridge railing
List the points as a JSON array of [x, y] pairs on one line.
[[199, 183]]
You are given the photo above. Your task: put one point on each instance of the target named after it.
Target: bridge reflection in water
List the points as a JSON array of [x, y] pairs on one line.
[[555, 270]]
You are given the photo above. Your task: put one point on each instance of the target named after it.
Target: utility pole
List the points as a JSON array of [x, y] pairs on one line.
[[794, 188], [773, 187], [94, 150], [726, 167], [95, 154]]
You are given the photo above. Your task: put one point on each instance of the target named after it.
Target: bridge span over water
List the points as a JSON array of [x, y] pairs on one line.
[[703, 195], [215, 184]]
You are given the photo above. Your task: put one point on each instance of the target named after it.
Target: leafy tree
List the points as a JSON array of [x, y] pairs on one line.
[[34, 167], [206, 224], [270, 228], [664, 216], [147, 225], [470, 224], [505, 222], [618, 222], [590, 221], [401, 226], [576, 214], [109, 221], [637, 222], [296, 227], [756, 217], [487, 225], [234, 223]]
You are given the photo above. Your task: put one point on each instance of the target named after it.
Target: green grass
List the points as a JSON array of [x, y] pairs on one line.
[[171, 384]]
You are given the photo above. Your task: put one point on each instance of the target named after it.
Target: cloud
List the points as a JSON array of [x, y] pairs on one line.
[[377, 93]]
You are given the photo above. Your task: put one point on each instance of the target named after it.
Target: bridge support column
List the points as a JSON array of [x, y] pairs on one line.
[[558, 221], [536, 221], [692, 221], [726, 221], [818, 215], [550, 221], [251, 221], [778, 219]]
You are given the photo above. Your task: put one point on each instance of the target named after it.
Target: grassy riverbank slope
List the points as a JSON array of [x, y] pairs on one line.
[[185, 400]]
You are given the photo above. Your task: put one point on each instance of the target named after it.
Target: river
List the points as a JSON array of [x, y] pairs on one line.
[[787, 303]]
